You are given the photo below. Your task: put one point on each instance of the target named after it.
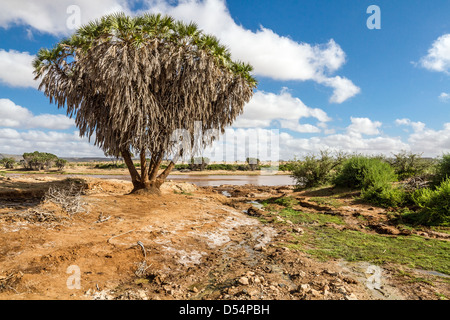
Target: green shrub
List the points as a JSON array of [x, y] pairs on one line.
[[315, 171], [286, 166], [434, 204], [215, 167], [8, 163], [198, 164], [288, 202], [364, 172], [182, 167], [61, 164], [387, 196], [110, 166], [39, 160], [442, 170], [407, 165], [253, 163]]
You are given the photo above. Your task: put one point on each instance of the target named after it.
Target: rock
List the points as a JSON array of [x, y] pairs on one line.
[[255, 212], [315, 293], [341, 289], [383, 229], [142, 295], [304, 288], [260, 247], [351, 297], [244, 281], [298, 230]]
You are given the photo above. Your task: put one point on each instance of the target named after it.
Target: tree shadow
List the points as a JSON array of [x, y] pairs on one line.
[[25, 194]]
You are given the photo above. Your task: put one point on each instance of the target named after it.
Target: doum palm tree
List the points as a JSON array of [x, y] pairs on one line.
[[131, 82]]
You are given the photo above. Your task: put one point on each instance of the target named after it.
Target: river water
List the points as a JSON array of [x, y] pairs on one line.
[[207, 180]]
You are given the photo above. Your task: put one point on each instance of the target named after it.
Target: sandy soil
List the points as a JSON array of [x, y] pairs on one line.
[[189, 243]]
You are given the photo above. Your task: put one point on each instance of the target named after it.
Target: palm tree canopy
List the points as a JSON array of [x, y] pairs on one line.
[[132, 81]]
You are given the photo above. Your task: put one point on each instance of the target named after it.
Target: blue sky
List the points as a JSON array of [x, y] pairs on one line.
[[326, 80]]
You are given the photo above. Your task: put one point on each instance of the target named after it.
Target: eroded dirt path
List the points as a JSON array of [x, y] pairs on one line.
[[189, 243]]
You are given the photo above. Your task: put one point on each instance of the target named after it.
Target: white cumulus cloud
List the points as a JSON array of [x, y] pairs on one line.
[[52, 16], [363, 126], [438, 57], [272, 55], [15, 116], [265, 107], [16, 69]]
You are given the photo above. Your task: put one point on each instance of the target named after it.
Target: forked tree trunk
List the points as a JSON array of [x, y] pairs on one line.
[[148, 181]]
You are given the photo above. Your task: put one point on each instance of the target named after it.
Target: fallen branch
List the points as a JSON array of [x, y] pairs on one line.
[[142, 266]]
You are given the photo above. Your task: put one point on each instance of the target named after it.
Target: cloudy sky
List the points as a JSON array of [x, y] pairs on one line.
[[327, 81]]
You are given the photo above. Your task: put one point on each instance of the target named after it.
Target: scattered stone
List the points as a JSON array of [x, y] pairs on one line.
[[315, 293], [194, 289], [351, 297], [253, 292], [298, 230], [244, 281], [304, 288]]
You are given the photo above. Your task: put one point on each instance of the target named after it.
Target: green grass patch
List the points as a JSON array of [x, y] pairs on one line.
[[309, 218], [415, 252], [327, 201], [287, 202]]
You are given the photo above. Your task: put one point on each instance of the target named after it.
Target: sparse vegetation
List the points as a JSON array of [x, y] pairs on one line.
[[61, 164], [434, 204], [442, 169], [364, 172], [407, 165], [39, 160], [253, 163], [314, 171], [8, 163]]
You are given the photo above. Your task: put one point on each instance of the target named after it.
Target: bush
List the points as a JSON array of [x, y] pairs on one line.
[[442, 170], [407, 165], [434, 204], [61, 164], [387, 196], [215, 167], [8, 163], [315, 171], [110, 166], [39, 160], [253, 163], [199, 164], [363, 172]]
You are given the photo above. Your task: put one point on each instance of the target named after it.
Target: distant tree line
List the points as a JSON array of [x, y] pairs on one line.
[[35, 161]]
